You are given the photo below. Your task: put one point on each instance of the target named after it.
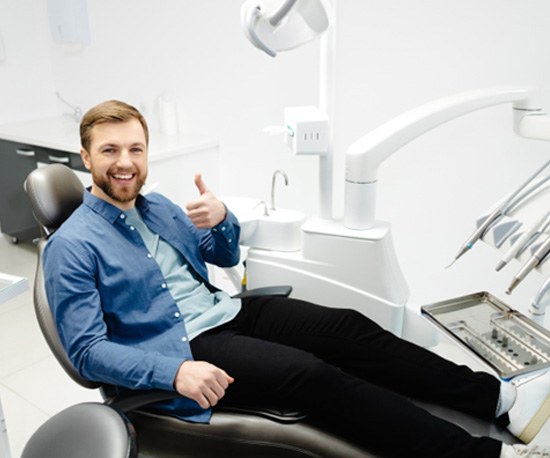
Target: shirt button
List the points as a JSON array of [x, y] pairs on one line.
[[177, 315], [229, 240], [223, 228], [149, 255], [122, 216], [132, 228], [163, 286], [184, 339]]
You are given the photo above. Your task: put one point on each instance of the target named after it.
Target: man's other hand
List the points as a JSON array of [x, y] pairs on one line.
[[203, 382]]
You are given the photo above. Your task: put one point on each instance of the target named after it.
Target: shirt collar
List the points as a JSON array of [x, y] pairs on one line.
[[109, 211]]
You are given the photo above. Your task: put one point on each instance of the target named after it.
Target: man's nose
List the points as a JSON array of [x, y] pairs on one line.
[[124, 159]]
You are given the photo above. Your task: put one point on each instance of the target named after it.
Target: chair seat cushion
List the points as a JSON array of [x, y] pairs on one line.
[[238, 434]]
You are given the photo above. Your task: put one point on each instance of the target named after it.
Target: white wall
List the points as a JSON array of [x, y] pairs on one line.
[[391, 57], [26, 79]]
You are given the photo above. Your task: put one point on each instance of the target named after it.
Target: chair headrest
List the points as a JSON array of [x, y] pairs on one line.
[[55, 192]]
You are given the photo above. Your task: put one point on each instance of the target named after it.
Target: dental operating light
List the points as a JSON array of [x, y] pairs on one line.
[[281, 25]]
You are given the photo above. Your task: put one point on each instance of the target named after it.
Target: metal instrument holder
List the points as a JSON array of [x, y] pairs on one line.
[[508, 341]]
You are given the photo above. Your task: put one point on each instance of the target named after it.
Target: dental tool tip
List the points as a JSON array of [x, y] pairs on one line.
[[466, 247], [515, 282], [452, 262], [500, 266]]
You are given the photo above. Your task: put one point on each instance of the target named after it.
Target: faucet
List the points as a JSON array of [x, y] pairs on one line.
[[262, 202], [537, 308], [285, 176], [77, 111]]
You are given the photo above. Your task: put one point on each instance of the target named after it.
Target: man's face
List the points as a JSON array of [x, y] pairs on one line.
[[118, 162]]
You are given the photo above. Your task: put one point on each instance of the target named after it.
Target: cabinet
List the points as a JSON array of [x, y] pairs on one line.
[[17, 160]]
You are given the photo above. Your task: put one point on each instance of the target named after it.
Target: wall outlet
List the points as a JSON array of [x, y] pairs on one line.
[[307, 130]]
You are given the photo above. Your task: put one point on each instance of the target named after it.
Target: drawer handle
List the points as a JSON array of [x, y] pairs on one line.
[[25, 152], [59, 159]]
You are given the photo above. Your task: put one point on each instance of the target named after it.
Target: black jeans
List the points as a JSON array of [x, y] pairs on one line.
[[341, 367]]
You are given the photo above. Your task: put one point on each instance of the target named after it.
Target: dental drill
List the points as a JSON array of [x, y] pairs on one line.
[[537, 308], [497, 213], [536, 259]]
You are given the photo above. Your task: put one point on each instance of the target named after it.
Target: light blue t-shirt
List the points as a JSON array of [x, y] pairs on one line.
[[201, 309]]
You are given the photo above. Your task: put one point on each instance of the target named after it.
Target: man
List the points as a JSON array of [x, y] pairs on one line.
[[127, 282]]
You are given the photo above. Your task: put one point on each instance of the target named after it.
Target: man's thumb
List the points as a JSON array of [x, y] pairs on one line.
[[200, 184]]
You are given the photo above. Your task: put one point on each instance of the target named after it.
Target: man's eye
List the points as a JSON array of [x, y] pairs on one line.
[[108, 150], [137, 150]]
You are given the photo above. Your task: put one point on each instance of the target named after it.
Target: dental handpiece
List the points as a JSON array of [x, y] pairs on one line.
[[477, 234], [495, 214], [521, 242], [531, 263]]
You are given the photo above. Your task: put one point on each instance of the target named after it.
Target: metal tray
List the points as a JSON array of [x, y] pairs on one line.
[[508, 341]]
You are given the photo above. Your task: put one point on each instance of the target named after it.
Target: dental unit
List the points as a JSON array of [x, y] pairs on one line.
[[353, 261]]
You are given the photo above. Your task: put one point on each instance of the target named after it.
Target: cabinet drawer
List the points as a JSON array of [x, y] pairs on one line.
[[51, 156], [19, 152]]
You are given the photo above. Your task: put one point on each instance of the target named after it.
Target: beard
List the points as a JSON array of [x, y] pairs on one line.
[[119, 193]]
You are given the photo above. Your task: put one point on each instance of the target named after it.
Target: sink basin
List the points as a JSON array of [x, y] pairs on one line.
[[248, 211], [280, 231]]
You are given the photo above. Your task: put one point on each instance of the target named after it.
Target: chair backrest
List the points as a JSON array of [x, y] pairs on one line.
[[54, 192], [88, 430]]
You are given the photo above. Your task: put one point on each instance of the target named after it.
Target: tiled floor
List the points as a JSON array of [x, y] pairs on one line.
[[33, 386]]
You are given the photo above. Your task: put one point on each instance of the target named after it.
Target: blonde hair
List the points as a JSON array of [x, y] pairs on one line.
[[109, 111]]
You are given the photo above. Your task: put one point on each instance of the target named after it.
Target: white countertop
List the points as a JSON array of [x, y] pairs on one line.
[[11, 286], [63, 134]]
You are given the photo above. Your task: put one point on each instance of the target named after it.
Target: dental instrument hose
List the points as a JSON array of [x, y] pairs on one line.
[[528, 194], [523, 239], [499, 211]]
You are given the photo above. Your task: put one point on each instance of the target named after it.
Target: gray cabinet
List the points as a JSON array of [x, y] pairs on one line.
[[17, 160]]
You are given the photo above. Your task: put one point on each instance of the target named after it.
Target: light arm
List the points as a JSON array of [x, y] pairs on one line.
[[365, 155]]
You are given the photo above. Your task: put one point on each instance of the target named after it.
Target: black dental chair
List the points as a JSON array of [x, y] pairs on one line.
[[121, 426]]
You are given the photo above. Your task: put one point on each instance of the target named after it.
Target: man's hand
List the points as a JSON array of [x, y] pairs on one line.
[[207, 211], [203, 382]]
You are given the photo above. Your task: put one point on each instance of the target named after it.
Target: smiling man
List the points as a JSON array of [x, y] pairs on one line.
[[128, 285], [118, 161]]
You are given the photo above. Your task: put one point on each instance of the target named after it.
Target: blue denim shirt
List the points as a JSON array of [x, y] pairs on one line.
[[116, 318]]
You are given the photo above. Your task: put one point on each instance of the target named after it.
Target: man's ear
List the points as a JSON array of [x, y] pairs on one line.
[[85, 158]]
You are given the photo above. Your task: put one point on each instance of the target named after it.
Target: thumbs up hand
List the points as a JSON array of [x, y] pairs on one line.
[[207, 211]]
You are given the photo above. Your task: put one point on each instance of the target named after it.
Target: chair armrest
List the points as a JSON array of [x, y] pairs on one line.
[[135, 400], [282, 290]]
